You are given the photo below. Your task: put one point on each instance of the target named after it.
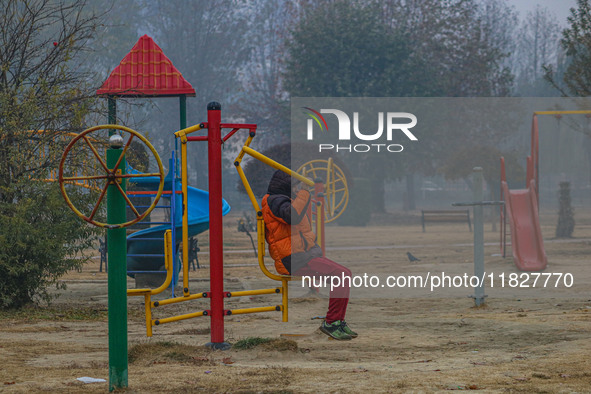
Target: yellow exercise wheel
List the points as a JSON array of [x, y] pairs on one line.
[[336, 190], [94, 142]]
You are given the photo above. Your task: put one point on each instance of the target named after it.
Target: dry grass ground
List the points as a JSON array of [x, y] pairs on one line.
[[524, 340]]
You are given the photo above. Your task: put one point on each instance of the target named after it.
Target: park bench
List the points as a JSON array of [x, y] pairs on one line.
[[446, 216]]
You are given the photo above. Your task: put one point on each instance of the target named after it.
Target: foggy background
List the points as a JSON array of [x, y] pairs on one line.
[[242, 54]]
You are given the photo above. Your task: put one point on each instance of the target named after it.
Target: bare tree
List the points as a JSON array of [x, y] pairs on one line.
[[266, 101], [538, 46], [43, 95], [41, 85]]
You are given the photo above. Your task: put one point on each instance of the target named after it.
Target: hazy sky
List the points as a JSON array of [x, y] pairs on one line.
[[559, 7]]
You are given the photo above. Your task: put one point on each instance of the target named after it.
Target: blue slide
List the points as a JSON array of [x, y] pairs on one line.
[[143, 244]]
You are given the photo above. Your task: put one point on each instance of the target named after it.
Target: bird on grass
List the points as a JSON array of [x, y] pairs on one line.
[[411, 258]]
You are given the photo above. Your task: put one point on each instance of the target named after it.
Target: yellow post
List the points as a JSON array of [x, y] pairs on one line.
[[330, 186], [182, 134], [261, 236], [249, 191], [319, 212], [185, 182], [148, 308], [284, 300]]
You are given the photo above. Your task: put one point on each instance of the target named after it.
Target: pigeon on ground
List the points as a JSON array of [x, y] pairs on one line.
[[411, 258]]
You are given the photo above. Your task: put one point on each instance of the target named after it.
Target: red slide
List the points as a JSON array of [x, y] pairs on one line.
[[526, 234], [521, 206]]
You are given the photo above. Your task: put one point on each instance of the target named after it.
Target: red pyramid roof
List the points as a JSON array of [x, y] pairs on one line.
[[146, 71]]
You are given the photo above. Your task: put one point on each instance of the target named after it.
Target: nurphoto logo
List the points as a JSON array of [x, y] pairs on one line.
[[396, 124]]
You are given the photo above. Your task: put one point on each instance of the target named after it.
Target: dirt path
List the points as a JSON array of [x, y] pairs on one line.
[[529, 339]]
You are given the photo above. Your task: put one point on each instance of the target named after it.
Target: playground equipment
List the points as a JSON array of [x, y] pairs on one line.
[[193, 219], [216, 294], [113, 175], [335, 185], [318, 201], [146, 71], [114, 189], [145, 254], [477, 205], [522, 207]]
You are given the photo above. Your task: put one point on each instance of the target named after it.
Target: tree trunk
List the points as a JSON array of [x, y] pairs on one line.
[[410, 193], [377, 191]]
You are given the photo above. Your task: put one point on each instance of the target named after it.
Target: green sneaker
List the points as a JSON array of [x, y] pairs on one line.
[[347, 330], [335, 331]]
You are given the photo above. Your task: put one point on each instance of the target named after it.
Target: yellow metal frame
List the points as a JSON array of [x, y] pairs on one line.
[[149, 304], [187, 296], [284, 279], [579, 112], [182, 134], [261, 247], [148, 293]]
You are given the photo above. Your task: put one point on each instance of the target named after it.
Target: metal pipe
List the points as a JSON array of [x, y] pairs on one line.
[[183, 132], [284, 300], [176, 300], [216, 236], [247, 187], [117, 280], [581, 112], [478, 235], [185, 208], [157, 322], [148, 308], [254, 310], [274, 164], [168, 253], [276, 290]]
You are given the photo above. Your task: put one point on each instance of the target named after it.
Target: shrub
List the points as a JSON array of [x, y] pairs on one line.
[[40, 240]]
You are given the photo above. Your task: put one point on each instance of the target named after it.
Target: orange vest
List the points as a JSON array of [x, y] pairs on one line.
[[284, 239]]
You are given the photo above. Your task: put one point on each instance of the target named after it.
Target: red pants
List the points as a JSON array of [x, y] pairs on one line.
[[339, 296]]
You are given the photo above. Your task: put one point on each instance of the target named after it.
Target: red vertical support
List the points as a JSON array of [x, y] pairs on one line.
[[535, 151], [216, 264]]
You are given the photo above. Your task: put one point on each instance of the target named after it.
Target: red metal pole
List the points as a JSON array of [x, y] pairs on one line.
[[216, 264], [535, 152]]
